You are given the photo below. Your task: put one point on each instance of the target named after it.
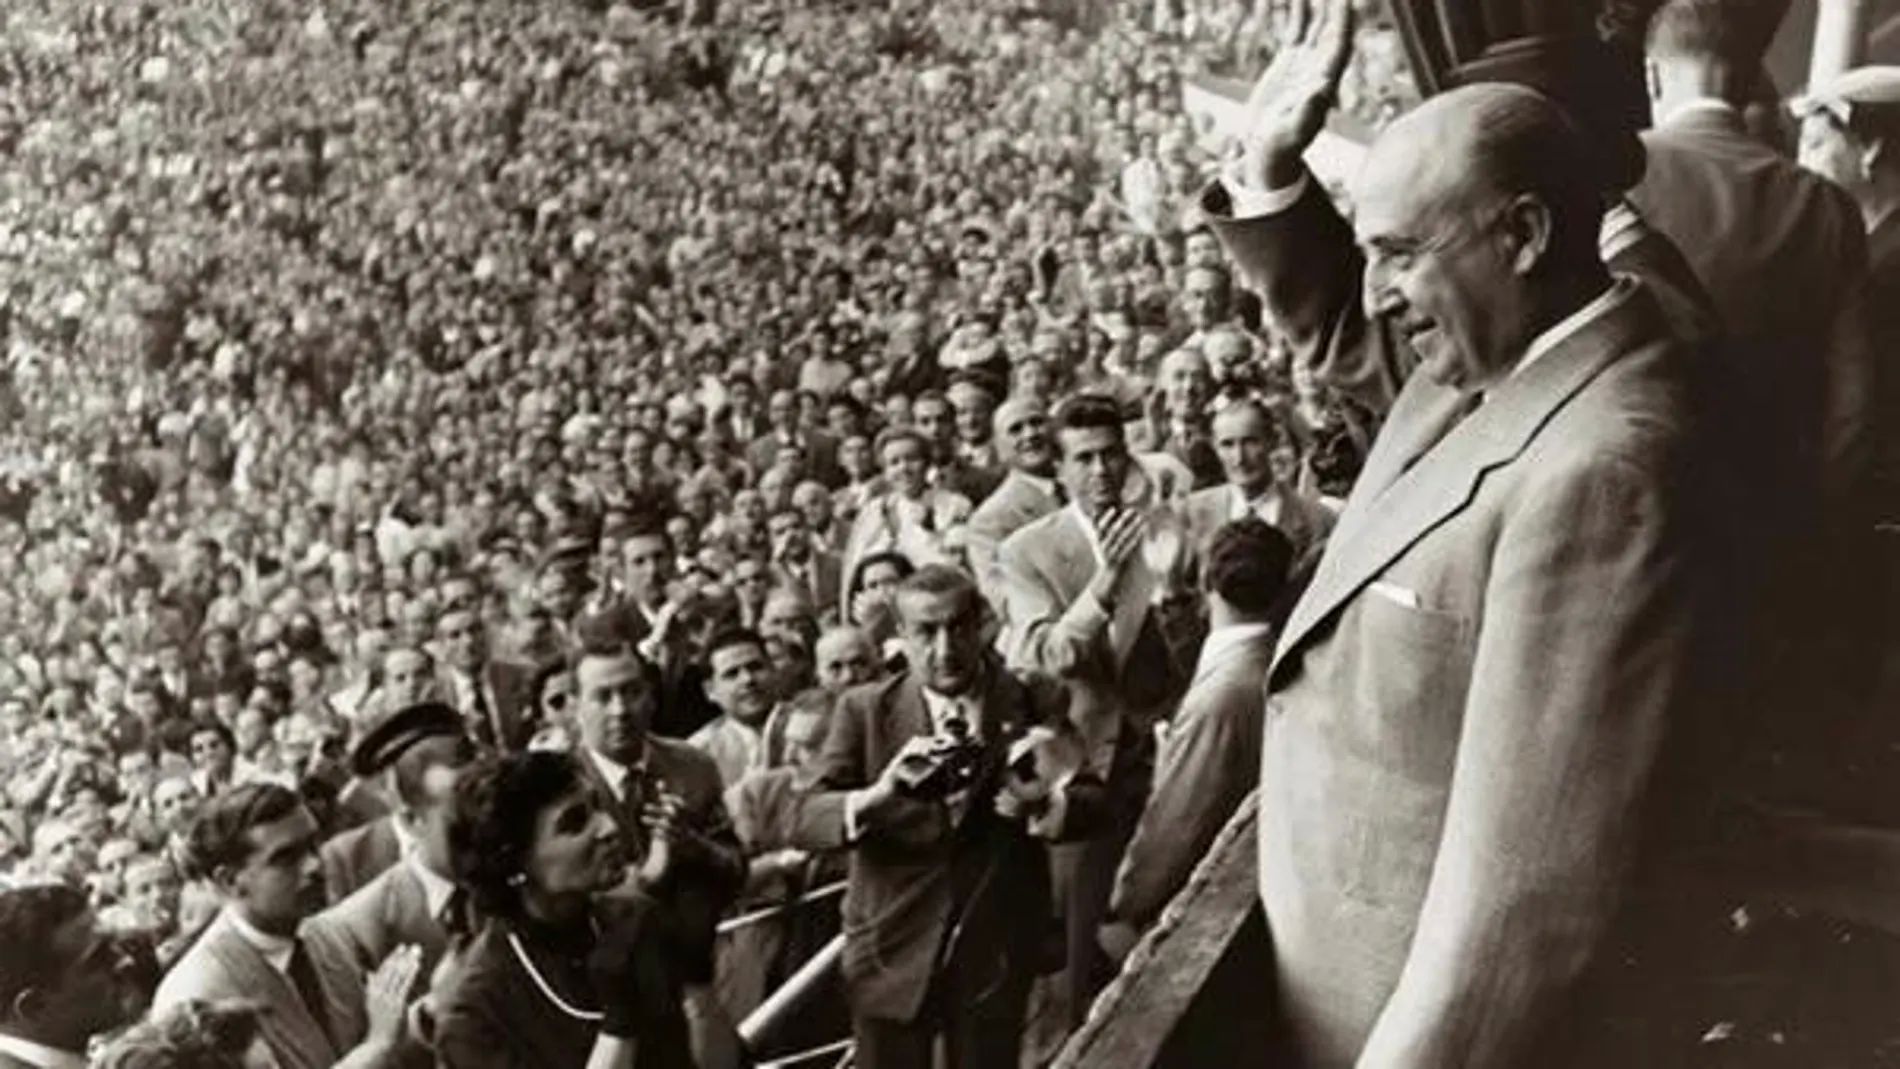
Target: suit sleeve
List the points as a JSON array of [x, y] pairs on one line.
[[1580, 667], [1307, 270], [842, 769], [1046, 636], [1210, 763]]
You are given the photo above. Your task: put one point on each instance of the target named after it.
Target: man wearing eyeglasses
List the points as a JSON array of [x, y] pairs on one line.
[[62, 979], [1464, 798]]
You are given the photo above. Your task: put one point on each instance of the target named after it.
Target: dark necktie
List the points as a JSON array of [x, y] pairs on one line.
[[483, 728], [303, 976]]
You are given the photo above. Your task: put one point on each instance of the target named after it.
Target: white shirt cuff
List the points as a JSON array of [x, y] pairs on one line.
[[1248, 202]]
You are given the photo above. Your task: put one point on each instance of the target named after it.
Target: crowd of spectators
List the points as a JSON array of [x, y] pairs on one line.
[[351, 348]]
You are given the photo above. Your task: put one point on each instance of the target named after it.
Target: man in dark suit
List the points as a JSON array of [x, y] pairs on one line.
[[1468, 706], [490, 694], [1086, 607], [417, 751], [258, 844], [1178, 414], [948, 900], [820, 452], [62, 979], [1780, 251], [1245, 435], [1028, 492], [1210, 756], [667, 798]]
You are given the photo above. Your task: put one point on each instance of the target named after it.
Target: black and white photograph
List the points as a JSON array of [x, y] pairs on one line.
[[950, 534]]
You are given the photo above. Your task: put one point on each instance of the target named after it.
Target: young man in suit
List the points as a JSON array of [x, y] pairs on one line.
[[948, 902], [258, 844], [417, 752], [1210, 757], [1027, 493], [489, 693], [667, 798], [1463, 757], [1086, 608], [62, 979]]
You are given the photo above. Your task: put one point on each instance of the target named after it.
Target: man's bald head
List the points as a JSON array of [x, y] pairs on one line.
[[1490, 142], [1479, 214]]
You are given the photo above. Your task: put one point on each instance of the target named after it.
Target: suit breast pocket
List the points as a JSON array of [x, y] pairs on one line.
[[1403, 673]]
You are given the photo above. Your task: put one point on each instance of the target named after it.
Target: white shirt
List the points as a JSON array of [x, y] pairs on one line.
[[614, 772], [39, 1054], [943, 708], [436, 890], [275, 949], [1266, 507]]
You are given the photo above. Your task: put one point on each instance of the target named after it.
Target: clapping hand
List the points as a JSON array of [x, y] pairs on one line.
[[663, 818], [386, 992]]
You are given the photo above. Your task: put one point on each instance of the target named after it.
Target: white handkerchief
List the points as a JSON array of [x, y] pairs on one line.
[[1394, 593]]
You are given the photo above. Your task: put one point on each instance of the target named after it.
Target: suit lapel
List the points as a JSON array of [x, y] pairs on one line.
[[289, 1018], [1419, 494]]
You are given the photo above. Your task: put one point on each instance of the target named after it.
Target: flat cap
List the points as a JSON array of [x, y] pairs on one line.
[[391, 737]]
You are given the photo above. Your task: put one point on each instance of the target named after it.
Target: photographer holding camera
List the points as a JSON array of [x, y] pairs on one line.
[[940, 781]]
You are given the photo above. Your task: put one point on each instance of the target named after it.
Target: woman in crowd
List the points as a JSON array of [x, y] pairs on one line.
[[560, 975]]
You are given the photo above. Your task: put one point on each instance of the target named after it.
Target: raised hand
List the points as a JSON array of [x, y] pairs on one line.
[[1288, 104]]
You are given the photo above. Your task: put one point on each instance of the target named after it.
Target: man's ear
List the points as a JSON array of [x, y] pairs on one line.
[[225, 878], [1652, 80], [27, 1005], [1872, 154], [1532, 228]]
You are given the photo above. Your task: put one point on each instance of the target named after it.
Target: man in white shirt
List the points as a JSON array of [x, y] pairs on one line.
[[739, 681]]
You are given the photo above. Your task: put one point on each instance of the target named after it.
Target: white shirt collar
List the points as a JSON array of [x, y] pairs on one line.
[[614, 772], [39, 1054], [436, 891], [1043, 483], [1698, 104], [1088, 531], [942, 707], [275, 949], [1243, 506], [1569, 325]]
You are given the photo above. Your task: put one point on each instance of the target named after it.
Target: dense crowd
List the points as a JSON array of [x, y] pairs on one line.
[[360, 351]]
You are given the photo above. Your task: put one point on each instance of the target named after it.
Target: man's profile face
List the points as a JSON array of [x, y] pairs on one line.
[[1436, 270], [1831, 152], [942, 636], [615, 704], [280, 881], [89, 995]]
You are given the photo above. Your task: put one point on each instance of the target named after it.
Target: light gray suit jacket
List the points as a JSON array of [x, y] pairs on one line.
[[223, 965], [1468, 705], [1017, 502], [1209, 763]]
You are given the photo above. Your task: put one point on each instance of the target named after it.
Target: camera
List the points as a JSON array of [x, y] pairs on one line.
[[951, 764]]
